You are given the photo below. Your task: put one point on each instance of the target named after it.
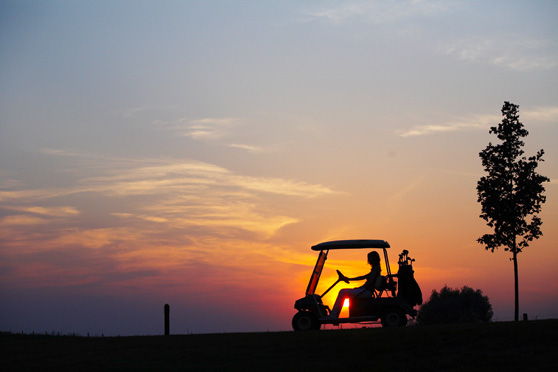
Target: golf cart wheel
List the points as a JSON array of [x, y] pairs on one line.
[[305, 321], [393, 317]]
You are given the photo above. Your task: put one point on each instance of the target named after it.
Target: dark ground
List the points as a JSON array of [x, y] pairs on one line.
[[500, 346]]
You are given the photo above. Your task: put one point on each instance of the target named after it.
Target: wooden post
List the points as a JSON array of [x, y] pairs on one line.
[[167, 319]]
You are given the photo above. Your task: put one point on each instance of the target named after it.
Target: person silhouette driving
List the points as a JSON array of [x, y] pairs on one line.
[[365, 290]]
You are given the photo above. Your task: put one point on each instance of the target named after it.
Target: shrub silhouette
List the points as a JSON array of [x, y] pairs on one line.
[[455, 306]]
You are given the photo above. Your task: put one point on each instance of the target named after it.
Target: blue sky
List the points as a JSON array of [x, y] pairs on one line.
[[151, 149]]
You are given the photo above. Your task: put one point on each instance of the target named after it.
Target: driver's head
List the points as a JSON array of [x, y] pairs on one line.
[[373, 258]]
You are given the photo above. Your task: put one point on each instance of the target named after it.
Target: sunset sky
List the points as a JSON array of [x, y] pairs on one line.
[[191, 153]]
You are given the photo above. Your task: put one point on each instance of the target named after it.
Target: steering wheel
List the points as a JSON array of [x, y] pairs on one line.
[[342, 277]]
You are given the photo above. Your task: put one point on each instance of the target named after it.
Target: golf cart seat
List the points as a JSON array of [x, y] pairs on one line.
[[382, 284], [385, 283], [379, 286]]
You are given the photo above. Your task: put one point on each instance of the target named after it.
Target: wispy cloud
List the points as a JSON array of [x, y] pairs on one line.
[[473, 122], [62, 211], [249, 148], [540, 114], [35, 194], [184, 176], [510, 51], [281, 186], [35, 215], [169, 190], [210, 129], [213, 215], [216, 131], [379, 12], [338, 14], [22, 220], [205, 129]]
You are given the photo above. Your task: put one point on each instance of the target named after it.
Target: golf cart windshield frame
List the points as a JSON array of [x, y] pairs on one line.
[[342, 244]]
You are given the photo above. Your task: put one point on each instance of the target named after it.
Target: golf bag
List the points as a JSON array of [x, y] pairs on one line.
[[408, 286]]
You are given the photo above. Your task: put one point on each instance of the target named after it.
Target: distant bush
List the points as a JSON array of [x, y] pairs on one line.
[[455, 306]]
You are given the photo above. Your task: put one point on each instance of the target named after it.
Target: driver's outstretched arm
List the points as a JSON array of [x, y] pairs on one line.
[[362, 277]]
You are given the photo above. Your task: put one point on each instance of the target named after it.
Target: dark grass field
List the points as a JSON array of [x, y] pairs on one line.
[[509, 346]]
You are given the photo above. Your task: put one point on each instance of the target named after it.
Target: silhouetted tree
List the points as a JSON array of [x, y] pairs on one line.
[[455, 306], [511, 191]]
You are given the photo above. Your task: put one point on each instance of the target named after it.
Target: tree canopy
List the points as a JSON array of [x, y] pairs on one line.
[[455, 306], [512, 190]]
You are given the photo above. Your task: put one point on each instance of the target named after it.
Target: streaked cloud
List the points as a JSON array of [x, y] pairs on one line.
[[378, 12], [175, 193], [210, 129], [95, 238], [188, 176], [473, 122], [217, 131], [249, 148], [34, 194], [22, 220], [61, 211], [338, 14], [540, 114], [281, 186], [512, 52], [204, 129]]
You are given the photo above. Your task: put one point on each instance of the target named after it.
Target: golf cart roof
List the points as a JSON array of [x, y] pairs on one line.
[[351, 244]]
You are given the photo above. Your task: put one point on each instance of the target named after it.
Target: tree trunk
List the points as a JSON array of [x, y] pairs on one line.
[[516, 278]]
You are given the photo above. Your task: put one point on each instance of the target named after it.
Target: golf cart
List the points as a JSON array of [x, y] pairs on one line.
[[388, 303]]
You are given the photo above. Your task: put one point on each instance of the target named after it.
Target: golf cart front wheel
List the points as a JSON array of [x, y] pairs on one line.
[[393, 317], [305, 321]]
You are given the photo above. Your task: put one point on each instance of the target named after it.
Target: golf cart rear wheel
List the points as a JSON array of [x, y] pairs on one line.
[[393, 317], [305, 321]]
